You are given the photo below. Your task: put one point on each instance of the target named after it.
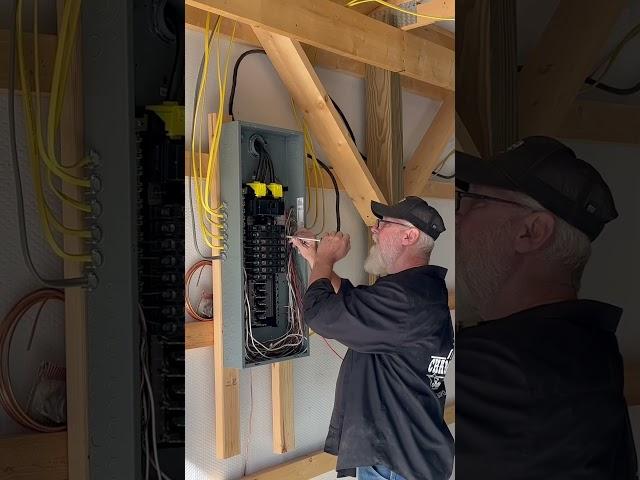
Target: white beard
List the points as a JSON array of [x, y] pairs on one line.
[[374, 263], [483, 265], [381, 258]]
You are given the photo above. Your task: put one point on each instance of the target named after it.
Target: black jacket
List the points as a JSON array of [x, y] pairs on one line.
[[390, 393], [539, 395]]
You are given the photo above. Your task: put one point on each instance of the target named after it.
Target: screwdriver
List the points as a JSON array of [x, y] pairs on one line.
[[304, 239]]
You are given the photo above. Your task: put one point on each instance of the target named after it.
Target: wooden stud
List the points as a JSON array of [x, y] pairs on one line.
[[71, 150], [226, 380], [565, 55], [282, 407], [384, 131], [198, 334], [46, 55], [418, 169], [39, 456], [602, 122], [326, 125], [438, 35], [464, 142], [355, 36], [303, 468], [450, 414]]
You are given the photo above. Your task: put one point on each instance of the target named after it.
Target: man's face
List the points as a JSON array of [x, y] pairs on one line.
[[387, 245], [485, 253]]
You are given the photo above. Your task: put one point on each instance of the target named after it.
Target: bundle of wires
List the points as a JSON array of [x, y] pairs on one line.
[[7, 330], [265, 171], [210, 216], [188, 305], [293, 341], [150, 446], [42, 151]]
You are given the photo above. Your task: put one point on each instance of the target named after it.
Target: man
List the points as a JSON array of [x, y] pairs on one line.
[[540, 379], [388, 415]]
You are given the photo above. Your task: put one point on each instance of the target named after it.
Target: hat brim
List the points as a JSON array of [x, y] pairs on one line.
[[475, 170], [381, 210]]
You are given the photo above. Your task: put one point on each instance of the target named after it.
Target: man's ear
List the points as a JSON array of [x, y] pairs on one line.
[[535, 232], [411, 236]]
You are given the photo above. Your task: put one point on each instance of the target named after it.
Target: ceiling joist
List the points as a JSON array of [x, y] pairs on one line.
[[327, 25]]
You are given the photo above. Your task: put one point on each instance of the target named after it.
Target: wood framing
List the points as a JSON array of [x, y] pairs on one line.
[[46, 55], [355, 36], [75, 305], [38, 456], [418, 169], [602, 122], [226, 380], [436, 8], [282, 407], [327, 127], [384, 131], [198, 334], [195, 19], [303, 468], [464, 142], [565, 55]]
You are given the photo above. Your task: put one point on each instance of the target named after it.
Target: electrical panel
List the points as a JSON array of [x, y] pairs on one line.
[[263, 186], [161, 269]]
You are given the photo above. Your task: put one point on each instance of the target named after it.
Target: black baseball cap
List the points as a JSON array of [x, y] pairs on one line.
[[415, 211], [549, 172]]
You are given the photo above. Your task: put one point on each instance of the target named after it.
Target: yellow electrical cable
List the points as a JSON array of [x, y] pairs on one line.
[[46, 215], [353, 3], [49, 159]]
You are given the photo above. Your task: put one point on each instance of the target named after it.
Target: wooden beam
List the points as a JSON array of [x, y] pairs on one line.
[[198, 334], [438, 35], [46, 55], [195, 19], [39, 456], [72, 150], [601, 122], [327, 127], [282, 407], [566, 54], [226, 380], [384, 131], [437, 189], [354, 35], [435, 8], [303, 468], [452, 300], [418, 169]]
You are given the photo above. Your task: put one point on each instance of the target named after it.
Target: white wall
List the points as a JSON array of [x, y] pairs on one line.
[[261, 98]]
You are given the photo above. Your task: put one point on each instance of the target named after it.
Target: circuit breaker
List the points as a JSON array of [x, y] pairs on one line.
[[262, 178]]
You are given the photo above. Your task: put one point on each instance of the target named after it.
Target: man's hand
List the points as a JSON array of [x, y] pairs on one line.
[[333, 247], [306, 249]]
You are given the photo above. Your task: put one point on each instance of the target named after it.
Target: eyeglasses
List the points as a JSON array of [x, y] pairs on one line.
[[460, 195], [379, 221]]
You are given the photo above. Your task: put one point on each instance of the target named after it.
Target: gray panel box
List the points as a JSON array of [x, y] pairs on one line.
[[237, 166]]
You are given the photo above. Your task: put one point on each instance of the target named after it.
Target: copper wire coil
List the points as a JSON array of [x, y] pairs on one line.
[[7, 330], [187, 283]]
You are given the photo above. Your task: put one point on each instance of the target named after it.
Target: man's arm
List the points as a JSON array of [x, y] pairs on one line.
[[308, 251]]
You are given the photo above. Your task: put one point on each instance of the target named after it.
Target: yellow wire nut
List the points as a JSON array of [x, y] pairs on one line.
[[276, 190], [259, 188]]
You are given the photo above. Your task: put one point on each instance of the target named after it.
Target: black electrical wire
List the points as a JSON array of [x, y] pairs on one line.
[[335, 188], [611, 89], [234, 82], [24, 241]]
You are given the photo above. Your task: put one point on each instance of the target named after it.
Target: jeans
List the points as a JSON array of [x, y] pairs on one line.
[[377, 472]]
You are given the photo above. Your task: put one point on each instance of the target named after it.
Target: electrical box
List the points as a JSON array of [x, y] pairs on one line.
[[262, 183]]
